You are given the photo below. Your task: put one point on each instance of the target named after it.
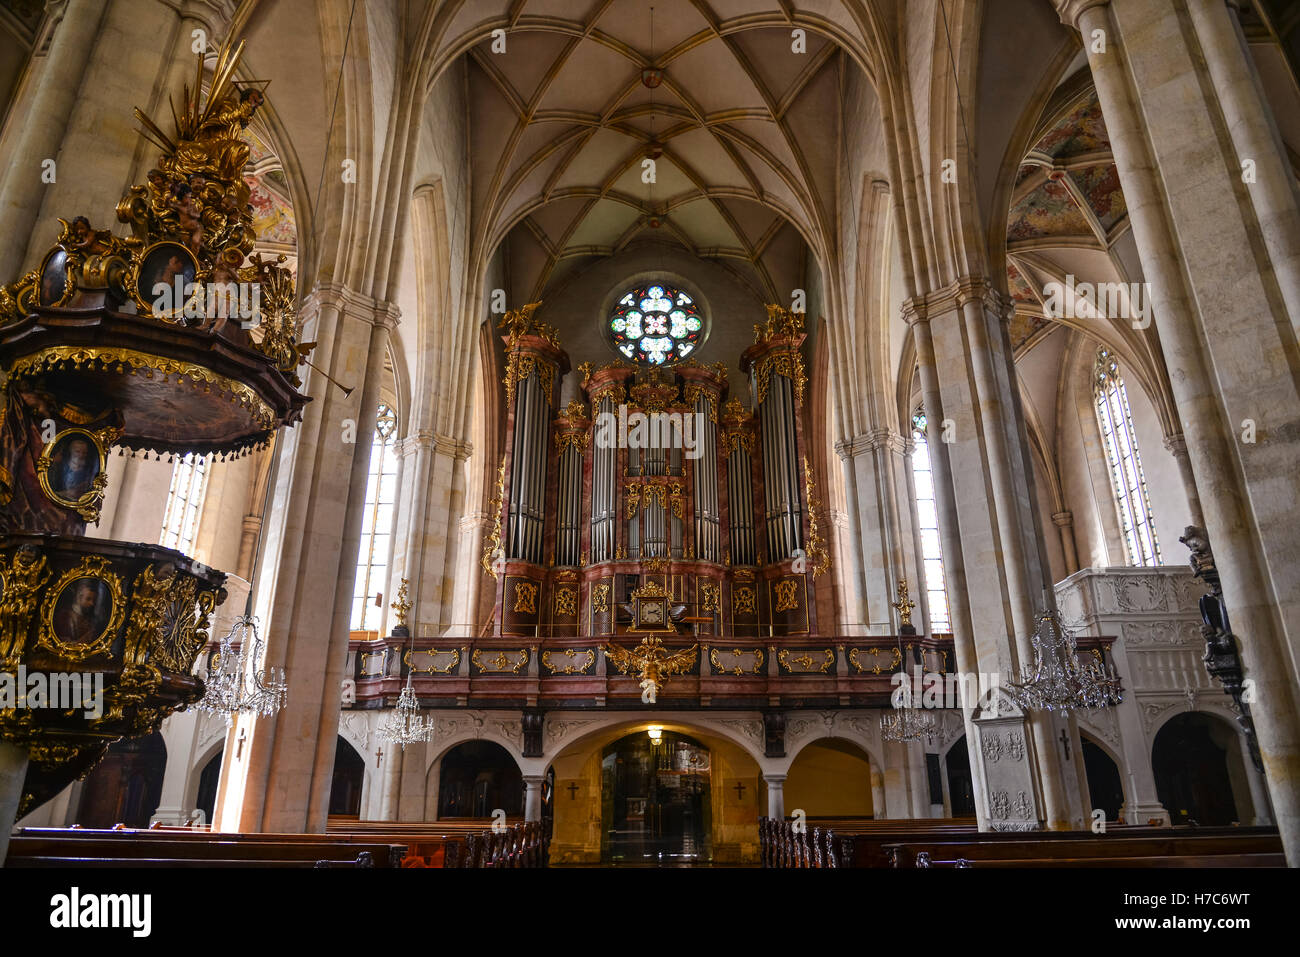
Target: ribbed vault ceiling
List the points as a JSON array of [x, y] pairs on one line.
[[744, 130]]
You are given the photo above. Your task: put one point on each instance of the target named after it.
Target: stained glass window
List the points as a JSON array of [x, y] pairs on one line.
[[376, 525], [184, 503], [927, 515], [656, 325], [1127, 481]]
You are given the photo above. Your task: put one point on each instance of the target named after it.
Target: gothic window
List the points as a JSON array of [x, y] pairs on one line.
[[1130, 487], [656, 325], [376, 525], [184, 503], [927, 514]]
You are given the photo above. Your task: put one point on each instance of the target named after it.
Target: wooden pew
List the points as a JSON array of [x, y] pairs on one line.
[[1081, 848], [470, 842], [55, 847], [844, 841]]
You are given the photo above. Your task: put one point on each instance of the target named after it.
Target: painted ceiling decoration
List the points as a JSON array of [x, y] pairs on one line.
[[269, 196], [744, 170], [1066, 196]]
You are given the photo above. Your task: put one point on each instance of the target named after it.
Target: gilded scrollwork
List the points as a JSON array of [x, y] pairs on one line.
[[587, 657], [501, 662], [755, 656], [149, 600], [432, 654], [896, 658], [21, 576], [492, 547], [806, 662]]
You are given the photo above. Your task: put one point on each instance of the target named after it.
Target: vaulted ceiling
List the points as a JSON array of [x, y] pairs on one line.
[[742, 129], [1066, 207]]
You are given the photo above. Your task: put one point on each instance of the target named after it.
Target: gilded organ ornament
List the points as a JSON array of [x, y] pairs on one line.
[[526, 597], [566, 601], [787, 594], [743, 600]]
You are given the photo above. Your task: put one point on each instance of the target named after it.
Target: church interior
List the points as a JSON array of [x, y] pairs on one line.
[[649, 433]]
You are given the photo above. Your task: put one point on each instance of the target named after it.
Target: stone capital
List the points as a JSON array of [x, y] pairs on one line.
[[1063, 519], [1070, 10], [353, 304], [1176, 444], [953, 296], [451, 447], [872, 441]]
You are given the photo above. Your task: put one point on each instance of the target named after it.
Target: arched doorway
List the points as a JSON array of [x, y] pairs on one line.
[[1105, 787], [655, 800], [126, 786], [961, 792], [349, 776], [209, 778], [1191, 761], [478, 778], [830, 778]]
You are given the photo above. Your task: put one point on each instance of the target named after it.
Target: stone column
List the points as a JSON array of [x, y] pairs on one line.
[[533, 797], [180, 734], [1255, 137], [775, 795], [877, 793], [1230, 347], [13, 772], [390, 780], [876, 469], [315, 526], [984, 476], [1065, 523], [1258, 786], [40, 134], [1176, 445]]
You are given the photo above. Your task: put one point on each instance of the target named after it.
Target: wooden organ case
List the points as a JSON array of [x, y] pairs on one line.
[[659, 483]]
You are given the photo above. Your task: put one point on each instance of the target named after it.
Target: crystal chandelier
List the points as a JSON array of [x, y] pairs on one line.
[[909, 724], [906, 722], [404, 724], [1057, 680], [235, 685]]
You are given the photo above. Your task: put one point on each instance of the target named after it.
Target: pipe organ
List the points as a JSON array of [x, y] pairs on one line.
[[658, 480]]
